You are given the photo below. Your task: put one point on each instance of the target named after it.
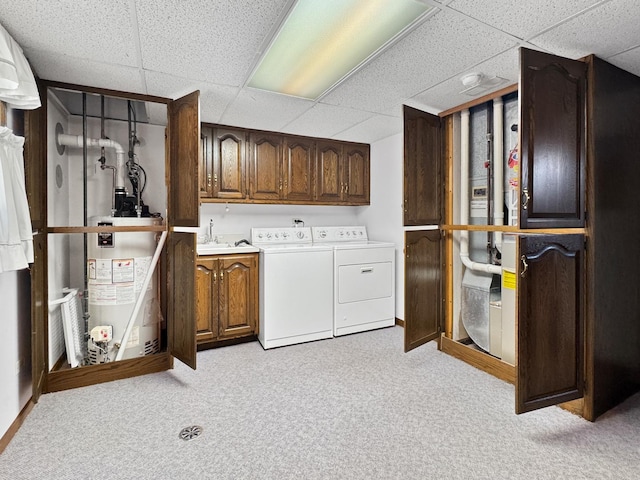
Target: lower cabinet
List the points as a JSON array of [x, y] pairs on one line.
[[226, 298]]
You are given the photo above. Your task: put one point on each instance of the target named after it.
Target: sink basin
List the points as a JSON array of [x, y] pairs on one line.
[[224, 248]]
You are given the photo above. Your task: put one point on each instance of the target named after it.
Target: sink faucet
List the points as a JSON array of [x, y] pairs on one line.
[[211, 231]]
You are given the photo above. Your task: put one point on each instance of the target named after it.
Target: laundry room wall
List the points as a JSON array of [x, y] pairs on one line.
[[383, 217]]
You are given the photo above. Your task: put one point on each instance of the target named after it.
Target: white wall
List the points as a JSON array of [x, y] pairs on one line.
[[383, 217], [241, 217]]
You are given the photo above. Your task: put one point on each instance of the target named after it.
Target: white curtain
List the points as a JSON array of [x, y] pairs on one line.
[[17, 85], [16, 238]]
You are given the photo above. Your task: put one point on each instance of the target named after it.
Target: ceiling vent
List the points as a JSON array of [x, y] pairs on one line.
[[478, 83]]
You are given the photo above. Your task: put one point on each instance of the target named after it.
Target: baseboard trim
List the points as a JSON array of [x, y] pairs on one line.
[[399, 322], [15, 426], [478, 359]]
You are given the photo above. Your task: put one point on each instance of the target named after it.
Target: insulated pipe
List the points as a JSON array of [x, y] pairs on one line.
[[77, 141], [498, 169], [464, 201]]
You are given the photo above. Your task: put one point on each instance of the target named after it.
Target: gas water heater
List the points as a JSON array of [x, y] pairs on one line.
[[117, 264]]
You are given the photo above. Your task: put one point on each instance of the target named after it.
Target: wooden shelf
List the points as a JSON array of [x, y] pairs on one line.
[[107, 229]]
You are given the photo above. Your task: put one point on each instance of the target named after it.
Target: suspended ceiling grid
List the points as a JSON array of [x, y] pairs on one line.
[[169, 48]]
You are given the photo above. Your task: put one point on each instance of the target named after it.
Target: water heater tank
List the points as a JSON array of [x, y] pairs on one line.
[[117, 264]]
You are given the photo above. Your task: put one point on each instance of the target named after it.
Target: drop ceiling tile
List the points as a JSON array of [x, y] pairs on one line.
[[629, 61], [325, 121], [217, 42], [448, 94], [373, 129], [443, 45], [521, 19], [92, 29], [263, 110], [79, 71], [213, 98], [607, 30]]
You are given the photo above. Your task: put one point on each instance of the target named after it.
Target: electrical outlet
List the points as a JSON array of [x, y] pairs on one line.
[[296, 222]]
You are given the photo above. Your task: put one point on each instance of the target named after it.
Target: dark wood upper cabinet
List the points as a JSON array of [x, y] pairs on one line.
[[229, 178], [299, 167], [184, 160], [423, 176], [551, 303], [356, 173], [328, 171], [553, 141], [205, 170], [265, 157], [423, 312]]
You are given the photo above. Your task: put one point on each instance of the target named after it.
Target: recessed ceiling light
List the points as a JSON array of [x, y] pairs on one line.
[[323, 41]]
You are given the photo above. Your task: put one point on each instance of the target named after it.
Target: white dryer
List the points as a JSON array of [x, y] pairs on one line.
[[364, 279]]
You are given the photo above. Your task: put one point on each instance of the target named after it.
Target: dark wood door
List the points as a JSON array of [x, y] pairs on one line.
[[329, 184], [265, 178], [205, 170], [423, 267], [423, 173], [299, 168], [356, 173], [181, 279], [229, 179], [35, 155], [550, 348], [237, 287], [552, 140], [184, 159], [206, 299]]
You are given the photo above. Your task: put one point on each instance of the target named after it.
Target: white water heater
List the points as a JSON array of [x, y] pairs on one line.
[[117, 264]]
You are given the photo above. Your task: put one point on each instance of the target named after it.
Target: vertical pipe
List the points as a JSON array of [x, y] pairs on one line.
[[498, 169], [85, 296], [490, 200]]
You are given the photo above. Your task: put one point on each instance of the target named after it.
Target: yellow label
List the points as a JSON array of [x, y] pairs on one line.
[[508, 280]]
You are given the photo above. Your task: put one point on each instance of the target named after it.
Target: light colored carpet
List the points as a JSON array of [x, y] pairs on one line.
[[353, 407]]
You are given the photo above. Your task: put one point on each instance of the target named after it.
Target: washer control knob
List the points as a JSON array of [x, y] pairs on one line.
[[300, 234]]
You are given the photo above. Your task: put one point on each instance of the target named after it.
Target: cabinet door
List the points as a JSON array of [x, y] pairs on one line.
[[266, 166], [423, 315], [184, 159], [329, 184], [550, 347], [181, 277], [229, 163], [423, 174], [299, 167], [356, 173], [238, 289], [205, 172], [206, 299], [552, 140]]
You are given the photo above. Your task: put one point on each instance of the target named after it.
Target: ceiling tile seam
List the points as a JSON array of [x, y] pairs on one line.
[[381, 51], [626, 50], [138, 44], [567, 19], [457, 13], [363, 121]]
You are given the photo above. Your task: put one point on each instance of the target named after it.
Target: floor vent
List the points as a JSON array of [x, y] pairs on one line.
[[189, 433]]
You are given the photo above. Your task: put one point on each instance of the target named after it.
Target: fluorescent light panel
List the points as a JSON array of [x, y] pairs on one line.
[[322, 41]]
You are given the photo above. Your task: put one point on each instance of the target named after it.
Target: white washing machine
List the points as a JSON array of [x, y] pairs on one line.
[[296, 287], [364, 279]]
